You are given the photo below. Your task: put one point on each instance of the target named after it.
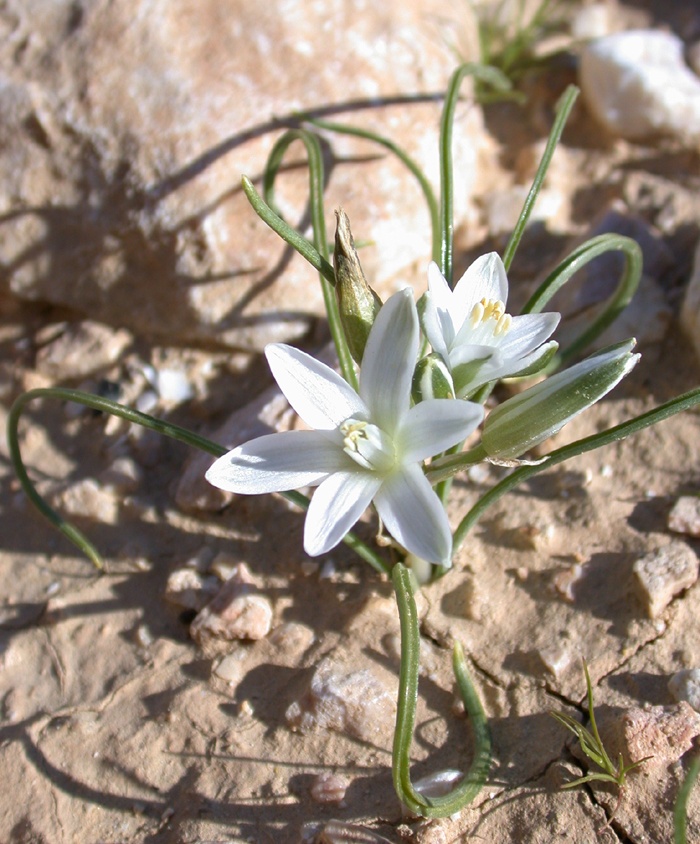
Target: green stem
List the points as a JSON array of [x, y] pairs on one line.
[[291, 236], [612, 308], [564, 106], [318, 221], [680, 809], [405, 158], [619, 432], [473, 782], [167, 429], [496, 79]]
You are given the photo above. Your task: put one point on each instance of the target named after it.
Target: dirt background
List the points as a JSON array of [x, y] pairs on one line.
[[118, 727]]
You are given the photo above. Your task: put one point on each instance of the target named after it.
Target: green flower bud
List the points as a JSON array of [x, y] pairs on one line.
[[432, 379], [358, 304], [535, 414]]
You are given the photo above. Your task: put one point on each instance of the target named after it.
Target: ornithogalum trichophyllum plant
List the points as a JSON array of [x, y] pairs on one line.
[[387, 432]]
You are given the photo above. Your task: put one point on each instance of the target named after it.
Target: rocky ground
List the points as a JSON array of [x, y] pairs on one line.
[[133, 710]]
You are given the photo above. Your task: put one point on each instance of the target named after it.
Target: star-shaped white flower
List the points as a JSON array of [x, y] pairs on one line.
[[366, 446], [471, 331]]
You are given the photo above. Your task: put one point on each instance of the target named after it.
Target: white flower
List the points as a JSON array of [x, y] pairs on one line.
[[470, 329], [365, 446]]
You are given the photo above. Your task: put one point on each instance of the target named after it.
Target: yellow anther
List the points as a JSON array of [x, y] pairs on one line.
[[493, 309], [503, 324]]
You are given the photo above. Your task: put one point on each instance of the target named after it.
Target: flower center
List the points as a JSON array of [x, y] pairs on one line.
[[368, 445], [491, 309]]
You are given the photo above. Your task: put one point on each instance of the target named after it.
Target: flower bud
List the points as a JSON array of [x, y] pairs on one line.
[[358, 304], [432, 379], [539, 412]]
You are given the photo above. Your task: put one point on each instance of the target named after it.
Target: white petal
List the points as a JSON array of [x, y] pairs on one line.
[[435, 425], [278, 462], [318, 394], [389, 359], [437, 325], [335, 507], [526, 333], [485, 279], [414, 516], [442, 298]]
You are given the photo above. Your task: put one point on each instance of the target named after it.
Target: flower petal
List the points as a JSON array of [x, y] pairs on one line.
[[335, 507], [389, 359], [278, 462], [318, 394], [414, 516], [437, 326], [435, 425], [526, 333], [486, 279]]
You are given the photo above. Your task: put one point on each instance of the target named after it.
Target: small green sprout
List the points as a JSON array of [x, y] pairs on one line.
[[508, 39], [592, 746]]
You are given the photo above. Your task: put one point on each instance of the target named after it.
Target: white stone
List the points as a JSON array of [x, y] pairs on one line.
[[637, 84], [685, 516], [690, 310], [685, 685], [348, 700], [189, 589], [149, 229], [663, 574]]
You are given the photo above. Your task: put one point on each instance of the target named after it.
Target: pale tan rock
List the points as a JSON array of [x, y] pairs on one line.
[[690, 310], [88, 499], [329, 787], [663, 574], [664, 733], [236, 612], [685, 686], [126, 128], [82, 349], [123, 477], [346, 699], [189, 589], [685, 515]]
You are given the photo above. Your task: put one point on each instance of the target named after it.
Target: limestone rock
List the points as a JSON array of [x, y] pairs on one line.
[[685, 516], [690, 311], [237, 611], [346, 699], [637, 84], [663, 574], [126, 129], [80, 349]]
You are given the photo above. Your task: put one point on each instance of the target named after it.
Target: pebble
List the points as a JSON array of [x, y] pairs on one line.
[[329, 788], [637, 84], [685, 516], [189, 589], [350, 701], [82, 349], [124, 476], [664, 733], [685, 686], [88, 499], [663, 574], [236, 612], [690, 310], [230, 668]]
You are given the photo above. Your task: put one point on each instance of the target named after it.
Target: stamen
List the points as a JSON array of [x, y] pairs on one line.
[[493, 309]]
